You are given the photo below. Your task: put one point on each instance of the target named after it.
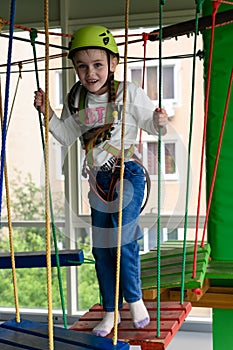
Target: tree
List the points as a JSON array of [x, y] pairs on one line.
[[27, 204]]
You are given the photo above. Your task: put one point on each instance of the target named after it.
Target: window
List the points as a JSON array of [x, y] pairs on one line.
[[59, 95], [168, 158], [151, 83]]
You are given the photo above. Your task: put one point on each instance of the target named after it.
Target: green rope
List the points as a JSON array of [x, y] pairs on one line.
[[198, 10], [15, 94], [33, 35]]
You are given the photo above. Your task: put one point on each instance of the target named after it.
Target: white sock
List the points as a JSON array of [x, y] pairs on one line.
[[106, 325], [139, 314]]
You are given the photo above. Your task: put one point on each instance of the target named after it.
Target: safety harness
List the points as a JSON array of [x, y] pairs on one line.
[[91, 137]]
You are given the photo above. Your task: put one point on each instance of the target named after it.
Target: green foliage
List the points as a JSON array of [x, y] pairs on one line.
[[87, 282], [27, 203]]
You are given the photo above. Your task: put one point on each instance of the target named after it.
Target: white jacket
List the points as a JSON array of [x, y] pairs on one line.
[[138, 114]]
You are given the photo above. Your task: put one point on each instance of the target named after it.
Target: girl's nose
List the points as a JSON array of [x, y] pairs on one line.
[[89, 71]]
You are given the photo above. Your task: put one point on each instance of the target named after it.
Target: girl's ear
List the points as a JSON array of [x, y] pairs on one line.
[[113, 64]]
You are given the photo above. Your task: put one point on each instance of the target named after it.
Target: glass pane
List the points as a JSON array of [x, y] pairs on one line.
[[60, 97], [170, 165], [152, 91], [152, 158], [168, 82], [136, 75]]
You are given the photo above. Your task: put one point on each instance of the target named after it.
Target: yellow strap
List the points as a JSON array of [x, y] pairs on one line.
[[117, 152]]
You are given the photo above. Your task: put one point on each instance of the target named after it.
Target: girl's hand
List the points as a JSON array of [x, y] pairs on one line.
[[160, 119], [39, 102]]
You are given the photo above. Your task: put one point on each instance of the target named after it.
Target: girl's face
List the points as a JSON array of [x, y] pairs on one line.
[[91, 66]]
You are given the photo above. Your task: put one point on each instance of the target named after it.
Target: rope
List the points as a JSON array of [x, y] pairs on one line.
[[198, 10], [159, 169], [216, 5], [225, 2], [115, 331], [48, 243], [13, 269], [7, 90], [217, 156], [15, 94], [145, 39], [33, 35]]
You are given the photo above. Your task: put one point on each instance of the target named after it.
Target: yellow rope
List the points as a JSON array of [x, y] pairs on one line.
[[115, 333], [13, 269], [47, 207]]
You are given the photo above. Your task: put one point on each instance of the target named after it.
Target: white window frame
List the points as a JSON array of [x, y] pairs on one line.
[[167, 177], [58, 91], [154, 63]]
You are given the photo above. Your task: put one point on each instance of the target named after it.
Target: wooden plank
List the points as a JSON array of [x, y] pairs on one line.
[[171, 266], [215, 297], [38, 259], [28, 341], [172, 315], [63, 338]]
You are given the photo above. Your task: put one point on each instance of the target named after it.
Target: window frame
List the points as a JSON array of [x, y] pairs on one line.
[[150, 139], [153, 63]]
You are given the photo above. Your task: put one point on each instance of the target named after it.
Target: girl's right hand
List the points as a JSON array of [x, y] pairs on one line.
[[39, 102], [39, 97]]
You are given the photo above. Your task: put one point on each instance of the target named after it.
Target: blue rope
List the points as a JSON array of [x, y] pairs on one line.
[[7, 89]]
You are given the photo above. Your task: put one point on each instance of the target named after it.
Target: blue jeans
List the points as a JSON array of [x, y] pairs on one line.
[[104, 234], [130, 283]]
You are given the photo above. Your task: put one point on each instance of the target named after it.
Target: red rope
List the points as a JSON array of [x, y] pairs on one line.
[[32, 60], [226, 2], [217, 157], [214, 12], [145, 38]]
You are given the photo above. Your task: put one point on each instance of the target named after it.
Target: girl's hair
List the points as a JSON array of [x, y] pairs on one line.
[[111, 91]]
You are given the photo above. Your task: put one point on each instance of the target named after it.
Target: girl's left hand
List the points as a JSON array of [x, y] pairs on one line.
[[160, 119]]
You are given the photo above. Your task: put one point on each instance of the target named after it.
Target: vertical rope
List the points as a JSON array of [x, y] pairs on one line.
[[159, 169], [33, 35], [198, 10], [15, 94], [145, 39], [7, 91], [48, 242], [13, 269], [115, 331]]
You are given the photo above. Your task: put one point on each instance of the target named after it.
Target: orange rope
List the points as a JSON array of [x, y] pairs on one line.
[[13, 268], [119, 233]]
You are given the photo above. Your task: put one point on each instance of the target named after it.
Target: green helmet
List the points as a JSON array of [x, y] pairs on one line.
[[93, 36]]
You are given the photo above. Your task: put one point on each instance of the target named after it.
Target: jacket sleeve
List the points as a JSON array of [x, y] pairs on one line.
[[142, 108], [66, 129]]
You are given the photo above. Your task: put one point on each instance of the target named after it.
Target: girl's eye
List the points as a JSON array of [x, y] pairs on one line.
[[81, 66], [98, 65]]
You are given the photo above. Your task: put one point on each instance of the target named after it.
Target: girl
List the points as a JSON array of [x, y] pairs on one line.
[[92, 112]]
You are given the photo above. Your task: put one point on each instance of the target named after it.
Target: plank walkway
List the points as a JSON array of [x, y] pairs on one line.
[[172, 315], [38, 259], [34, 336], [171, 266]]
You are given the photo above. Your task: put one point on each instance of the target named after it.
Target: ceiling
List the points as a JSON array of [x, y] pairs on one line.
[[70, 14]]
